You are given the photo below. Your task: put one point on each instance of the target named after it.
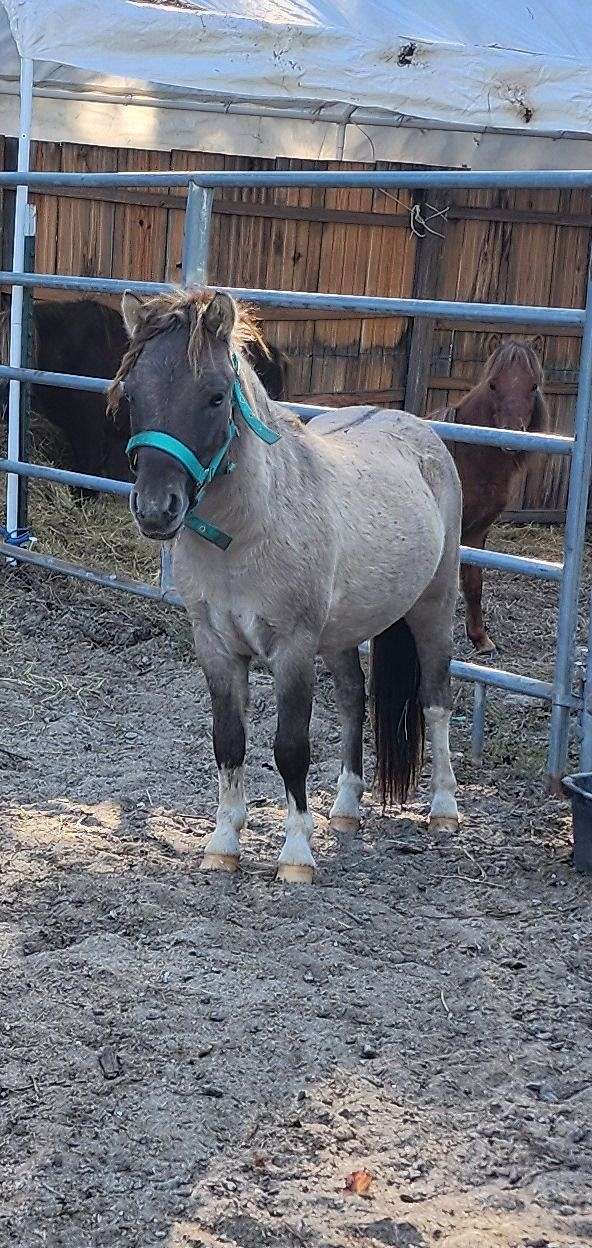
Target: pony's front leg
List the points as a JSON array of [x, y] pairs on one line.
[[294, 682], [227, 679]]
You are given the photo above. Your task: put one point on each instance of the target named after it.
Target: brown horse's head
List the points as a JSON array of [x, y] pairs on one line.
[[178, 379], [513, 380]]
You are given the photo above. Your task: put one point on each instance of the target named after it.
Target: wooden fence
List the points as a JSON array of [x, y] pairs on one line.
[[515, 247]]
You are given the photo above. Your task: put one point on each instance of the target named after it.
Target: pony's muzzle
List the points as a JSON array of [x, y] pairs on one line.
[[158, 516]]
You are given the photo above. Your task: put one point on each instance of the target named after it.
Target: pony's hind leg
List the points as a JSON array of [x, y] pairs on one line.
[[294, 682], [430, 621], [443, 808], [228, 684], [348, 679]]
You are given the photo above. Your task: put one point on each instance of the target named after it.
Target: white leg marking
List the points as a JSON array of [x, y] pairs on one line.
[[345, 810], [231, 816], [443, 810], [296, 862]]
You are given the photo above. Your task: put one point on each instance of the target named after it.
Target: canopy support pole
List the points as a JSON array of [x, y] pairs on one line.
[[16, 302]]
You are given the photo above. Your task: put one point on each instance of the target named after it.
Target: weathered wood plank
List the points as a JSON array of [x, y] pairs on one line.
[[351, 398], [45, 157], [288, 212], [428, 256], [467, 383], [85, 227], [139, 247], [7, 202], [516, 216], [533, 516]]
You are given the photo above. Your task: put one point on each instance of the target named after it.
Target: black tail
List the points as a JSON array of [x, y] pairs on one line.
[[399, 725]]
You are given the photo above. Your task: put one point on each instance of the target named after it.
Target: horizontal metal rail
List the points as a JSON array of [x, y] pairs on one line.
[[510, 681], [362, 305], [497, 561], [501, 179], [540, 569], [107, 579], [63, 476], [63, 381], [506, 439], [365, 305], [86, 285]]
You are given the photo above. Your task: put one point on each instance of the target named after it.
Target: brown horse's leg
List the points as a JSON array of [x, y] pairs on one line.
[[472, 586], [348, 679]]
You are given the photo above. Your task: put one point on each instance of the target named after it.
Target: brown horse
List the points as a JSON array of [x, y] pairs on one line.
[[509, 396]]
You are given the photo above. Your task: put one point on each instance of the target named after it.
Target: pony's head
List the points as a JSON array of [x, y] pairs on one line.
[[178, 377], [514, 376]]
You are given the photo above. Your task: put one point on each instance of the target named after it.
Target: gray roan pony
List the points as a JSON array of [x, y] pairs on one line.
[[294, 540]]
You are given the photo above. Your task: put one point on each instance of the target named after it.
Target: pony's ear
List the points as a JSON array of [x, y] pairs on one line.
[[492, 342], [132, 310], [219, 316], [538, 345]]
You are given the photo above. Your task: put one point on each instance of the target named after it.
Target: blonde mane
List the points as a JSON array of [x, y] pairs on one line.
[[164, 312]]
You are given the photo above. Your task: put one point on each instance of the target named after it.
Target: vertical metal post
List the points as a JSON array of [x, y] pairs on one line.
[[575, 530], [27, 362], [196, 240], [478, 728], [196, 244], [16, 303], [586, 744]]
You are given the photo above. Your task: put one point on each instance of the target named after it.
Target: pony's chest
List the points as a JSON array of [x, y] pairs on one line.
[[241, 627], [235, 609]]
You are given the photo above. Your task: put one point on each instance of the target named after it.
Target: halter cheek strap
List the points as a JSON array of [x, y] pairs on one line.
[[267, 435], [200, 475]]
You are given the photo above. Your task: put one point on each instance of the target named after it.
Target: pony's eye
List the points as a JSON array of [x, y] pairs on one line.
[[216, 400], [492, 385]]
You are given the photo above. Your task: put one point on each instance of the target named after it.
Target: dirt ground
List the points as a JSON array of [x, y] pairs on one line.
[[197, 1060]]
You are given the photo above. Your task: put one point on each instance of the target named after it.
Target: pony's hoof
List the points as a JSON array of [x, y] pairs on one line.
[[486, 649], [220, 862], [295, 873], [442, 823], [344, 823]]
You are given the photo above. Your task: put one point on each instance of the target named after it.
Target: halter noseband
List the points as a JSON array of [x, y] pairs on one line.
[[200, 475]]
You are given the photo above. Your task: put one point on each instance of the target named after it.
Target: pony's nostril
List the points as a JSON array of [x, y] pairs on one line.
[[173, 505]]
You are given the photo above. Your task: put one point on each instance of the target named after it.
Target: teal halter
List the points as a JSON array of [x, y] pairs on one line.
[[200, 475]]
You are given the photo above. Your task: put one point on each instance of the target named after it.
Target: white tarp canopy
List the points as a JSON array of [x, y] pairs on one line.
[[470, 68]]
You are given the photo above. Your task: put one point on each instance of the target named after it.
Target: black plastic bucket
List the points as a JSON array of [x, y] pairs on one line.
[[579, 789]]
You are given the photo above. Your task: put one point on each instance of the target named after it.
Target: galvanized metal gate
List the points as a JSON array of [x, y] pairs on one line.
[[559, 692]]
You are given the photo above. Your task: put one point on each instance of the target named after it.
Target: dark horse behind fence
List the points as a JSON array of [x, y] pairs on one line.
[[509, 396], [88, 338]]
